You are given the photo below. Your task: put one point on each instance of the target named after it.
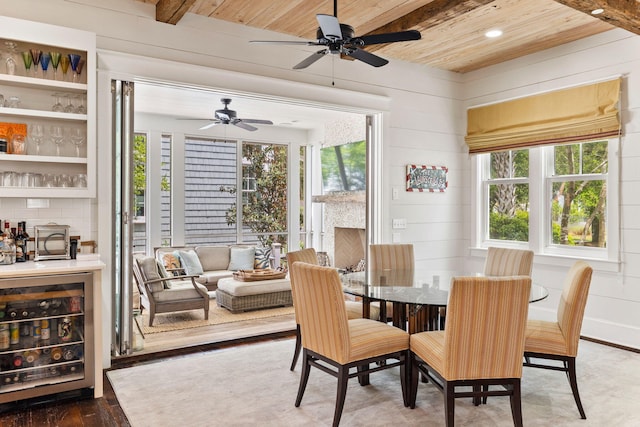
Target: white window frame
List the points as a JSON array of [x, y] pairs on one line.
[[540, 184]]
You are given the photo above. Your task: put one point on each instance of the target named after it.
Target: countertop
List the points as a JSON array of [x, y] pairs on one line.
[[38, 268]]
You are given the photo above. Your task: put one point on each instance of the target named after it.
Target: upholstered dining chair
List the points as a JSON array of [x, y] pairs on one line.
[[354, 308], [342, 347], [481, 345], [392, 264], [559, 340], [508, 262], [163, 293]]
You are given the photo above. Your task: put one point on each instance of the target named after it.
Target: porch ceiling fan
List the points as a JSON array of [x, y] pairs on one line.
[[340, 39], [227, 116]]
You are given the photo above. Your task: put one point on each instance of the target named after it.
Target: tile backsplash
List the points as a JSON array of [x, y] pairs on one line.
[[80, 214]]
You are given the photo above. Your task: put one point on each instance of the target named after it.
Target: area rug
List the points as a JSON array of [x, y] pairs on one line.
[[251, 385], [165, 322]]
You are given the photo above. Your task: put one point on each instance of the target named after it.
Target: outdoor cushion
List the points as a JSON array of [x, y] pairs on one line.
[[149, 267], [191, 263], [242, 258], [213, 258], [261, 260]]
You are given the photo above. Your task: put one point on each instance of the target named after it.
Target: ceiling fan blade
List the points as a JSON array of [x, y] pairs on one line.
[[210, 125], [368, 57], [330, 26], [311, 59], [243, 125], [298, 42], [401, 36], [258, 121]]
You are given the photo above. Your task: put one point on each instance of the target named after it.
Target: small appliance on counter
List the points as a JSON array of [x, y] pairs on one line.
[[52, 242]]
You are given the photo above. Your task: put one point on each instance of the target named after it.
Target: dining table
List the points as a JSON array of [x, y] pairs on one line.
[[418, 296]]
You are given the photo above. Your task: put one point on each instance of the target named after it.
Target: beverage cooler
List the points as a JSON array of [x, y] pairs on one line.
[[46, 335]]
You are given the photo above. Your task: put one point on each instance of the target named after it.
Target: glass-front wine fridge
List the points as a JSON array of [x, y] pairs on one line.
[[46, 335]]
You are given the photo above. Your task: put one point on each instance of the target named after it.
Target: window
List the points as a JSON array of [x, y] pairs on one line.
[[556, 200]]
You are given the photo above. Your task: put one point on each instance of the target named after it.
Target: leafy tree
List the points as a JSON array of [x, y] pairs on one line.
[[140, 173], [264, 207]]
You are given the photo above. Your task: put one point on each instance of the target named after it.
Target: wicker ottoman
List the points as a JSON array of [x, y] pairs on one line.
[[237, 296]]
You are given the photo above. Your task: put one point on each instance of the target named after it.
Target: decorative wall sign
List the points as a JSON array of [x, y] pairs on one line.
[[427, 178]]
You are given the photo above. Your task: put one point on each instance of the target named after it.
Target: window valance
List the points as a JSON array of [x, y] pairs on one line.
[[578, 113]]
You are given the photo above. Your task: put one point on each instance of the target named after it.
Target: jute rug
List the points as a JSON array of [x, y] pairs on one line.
[[164, 322], [251, 385]]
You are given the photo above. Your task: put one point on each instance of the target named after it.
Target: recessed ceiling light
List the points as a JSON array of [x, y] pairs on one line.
[[597, 11], [493, 33]]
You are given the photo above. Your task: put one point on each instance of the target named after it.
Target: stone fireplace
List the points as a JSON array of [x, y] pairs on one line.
[[344, 217]]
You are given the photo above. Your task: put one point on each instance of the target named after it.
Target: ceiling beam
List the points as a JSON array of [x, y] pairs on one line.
[[172, 11], [621, 13], [431, 14]]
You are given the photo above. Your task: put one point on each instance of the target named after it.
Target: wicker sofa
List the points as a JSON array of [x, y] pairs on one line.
[[211, 263]]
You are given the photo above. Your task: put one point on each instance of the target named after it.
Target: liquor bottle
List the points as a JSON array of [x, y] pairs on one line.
[[45, 331], [65, 329], [14, 333], [21, 244], [5, 338], [56, 354], [17, 360]]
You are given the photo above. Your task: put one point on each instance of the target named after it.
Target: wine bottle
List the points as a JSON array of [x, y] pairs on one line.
[[5, 338], [14, 333], [17, 360], [21, 244]]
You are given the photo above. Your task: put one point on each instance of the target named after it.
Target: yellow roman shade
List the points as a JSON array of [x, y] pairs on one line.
[[578, 113]]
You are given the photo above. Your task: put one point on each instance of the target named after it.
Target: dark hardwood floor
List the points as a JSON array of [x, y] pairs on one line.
[[73, 410]]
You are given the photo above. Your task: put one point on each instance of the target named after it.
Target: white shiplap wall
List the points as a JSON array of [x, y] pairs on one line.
[[613, 308]]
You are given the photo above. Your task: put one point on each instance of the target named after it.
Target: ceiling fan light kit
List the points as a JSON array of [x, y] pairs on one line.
[[340, 39]]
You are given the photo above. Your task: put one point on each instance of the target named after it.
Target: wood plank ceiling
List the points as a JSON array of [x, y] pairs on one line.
[[452, 30]]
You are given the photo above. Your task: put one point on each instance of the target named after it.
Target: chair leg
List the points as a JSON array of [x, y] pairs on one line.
[[413, 380], [363, 379], [343, 378], [296, 351], [405, 371], [516, 403], [449, 403], [152, 316], [571, 371], [206, 313], [304, 377]]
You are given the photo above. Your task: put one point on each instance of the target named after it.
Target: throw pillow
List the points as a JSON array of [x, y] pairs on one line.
[[149, 267], [191, 263], [242, 258], [261, 260], [171, 262]]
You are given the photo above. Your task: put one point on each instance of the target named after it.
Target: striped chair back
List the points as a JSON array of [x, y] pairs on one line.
[[508, 262], [391, 264], [309, 256], [572, 304], [484, 333], [321, 310]]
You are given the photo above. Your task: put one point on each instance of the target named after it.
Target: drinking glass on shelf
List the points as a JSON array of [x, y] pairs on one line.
[[81, 109], [35, 55], [69, 108], [74, 59], [28, 61], [10, 61], [57, 106], [45, 58], [77, 139], [55, 61], [36, 134], [64, 65], [57, 136], [18, 143]]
